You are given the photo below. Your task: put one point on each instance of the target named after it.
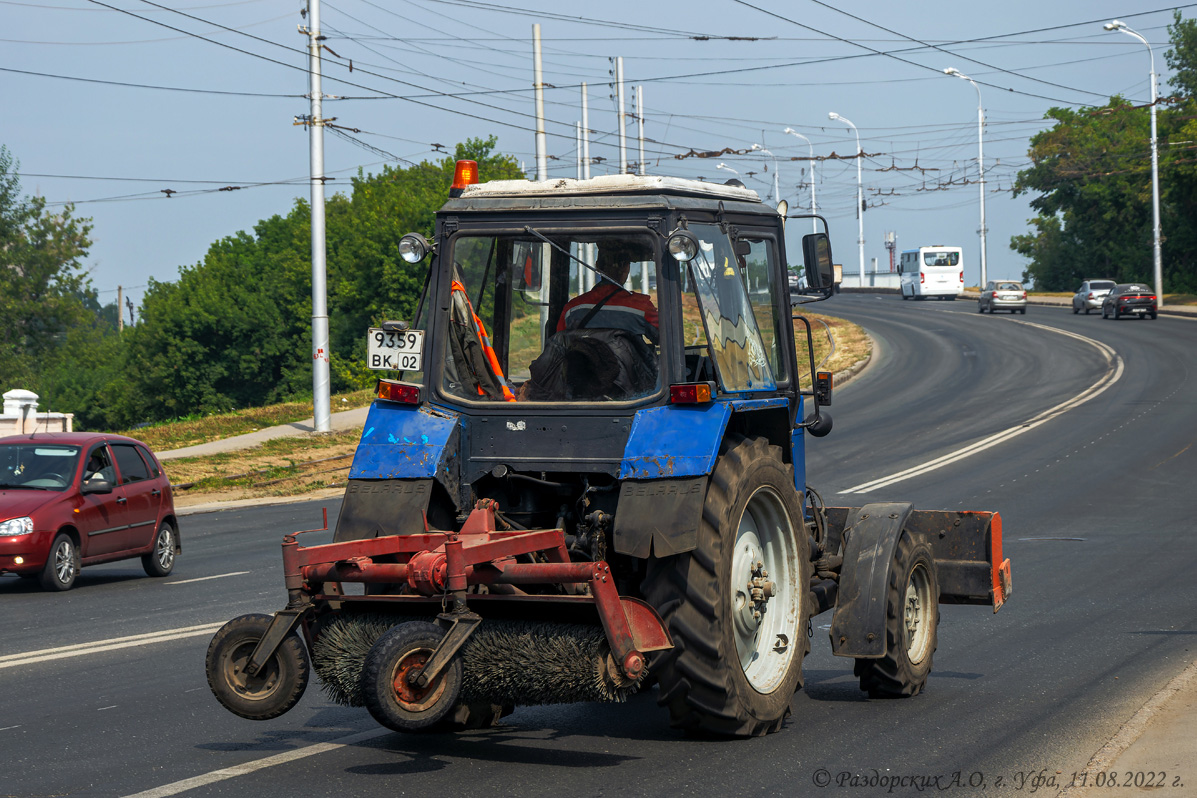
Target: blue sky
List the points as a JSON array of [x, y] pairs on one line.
[[109, 109]]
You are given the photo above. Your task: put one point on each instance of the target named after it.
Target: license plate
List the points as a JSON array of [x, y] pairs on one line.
[[395, 351], [1139, 310]]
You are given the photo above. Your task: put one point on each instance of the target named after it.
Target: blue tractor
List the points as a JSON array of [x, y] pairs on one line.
[[584, 473]]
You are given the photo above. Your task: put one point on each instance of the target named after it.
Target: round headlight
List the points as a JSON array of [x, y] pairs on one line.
[[683, 246], [413, 247]]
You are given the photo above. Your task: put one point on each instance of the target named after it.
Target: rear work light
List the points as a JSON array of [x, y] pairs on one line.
[[690, 393], [395, 391], [466, 174]]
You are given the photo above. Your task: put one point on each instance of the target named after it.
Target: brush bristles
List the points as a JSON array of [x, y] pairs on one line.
[[504, 662]]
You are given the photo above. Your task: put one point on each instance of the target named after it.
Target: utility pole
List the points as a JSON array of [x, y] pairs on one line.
[[640, 123], [320, 355], [587, 249], [542, 159], [623, 152], [120, 303], [542, 172], [585, 135]]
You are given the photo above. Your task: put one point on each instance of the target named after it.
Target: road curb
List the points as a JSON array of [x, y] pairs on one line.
[[1130, 733]]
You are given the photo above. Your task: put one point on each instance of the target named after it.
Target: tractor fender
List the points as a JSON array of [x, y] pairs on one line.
[[870, 541], [669, 456]]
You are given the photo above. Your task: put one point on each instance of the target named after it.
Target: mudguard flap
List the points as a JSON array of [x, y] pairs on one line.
[[966, 545], [870, 540]]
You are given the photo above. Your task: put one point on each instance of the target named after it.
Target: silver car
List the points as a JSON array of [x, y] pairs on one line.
[[1090, 295], [1003, 295]]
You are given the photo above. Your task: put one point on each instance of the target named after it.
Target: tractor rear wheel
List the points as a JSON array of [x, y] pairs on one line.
[[911, 621], [737, 605], [276, 688], [391, 697]]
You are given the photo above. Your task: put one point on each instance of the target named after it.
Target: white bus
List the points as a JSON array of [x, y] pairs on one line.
[[935, 271]]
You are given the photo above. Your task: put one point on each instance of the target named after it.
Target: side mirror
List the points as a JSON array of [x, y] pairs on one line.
[[816, 255], [818, 424], [96, 486]]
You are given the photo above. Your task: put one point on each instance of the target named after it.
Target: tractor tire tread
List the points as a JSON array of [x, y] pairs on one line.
[[696, 685], [894, 676]]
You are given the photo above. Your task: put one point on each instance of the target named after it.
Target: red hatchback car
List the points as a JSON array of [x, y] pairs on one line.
[[77, 498]]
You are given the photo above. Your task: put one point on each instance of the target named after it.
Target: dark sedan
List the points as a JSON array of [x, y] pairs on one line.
[[1129, 299], [73, 499]]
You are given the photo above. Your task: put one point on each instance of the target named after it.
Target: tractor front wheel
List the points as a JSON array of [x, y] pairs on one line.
[[737, 605], [911, 621], [392, 697], [276, 687]]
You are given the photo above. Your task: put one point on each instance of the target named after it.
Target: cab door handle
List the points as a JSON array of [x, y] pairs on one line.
[[155, 492], [121, 500]]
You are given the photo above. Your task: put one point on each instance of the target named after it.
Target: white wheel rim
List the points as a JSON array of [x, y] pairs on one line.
[[766, 643], [918, 613]]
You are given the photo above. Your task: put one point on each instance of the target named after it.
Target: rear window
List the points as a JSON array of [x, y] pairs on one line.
[[1138, 289], [1100, 285], [1009, 287], [130, 463]]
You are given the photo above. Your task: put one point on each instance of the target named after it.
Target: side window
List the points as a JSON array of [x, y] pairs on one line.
[[149, 461], [758, 269], [130, 463], [99, 466]]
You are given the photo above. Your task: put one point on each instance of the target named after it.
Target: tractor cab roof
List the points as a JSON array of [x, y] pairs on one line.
[[607, 192]]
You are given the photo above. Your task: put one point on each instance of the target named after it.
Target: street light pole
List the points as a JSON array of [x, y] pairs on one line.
[[980, 162], [813, 207], [1158, 269], [763, 151], [859, 189]]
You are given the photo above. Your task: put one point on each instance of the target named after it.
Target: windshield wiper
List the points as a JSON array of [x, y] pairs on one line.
[[568, 254]]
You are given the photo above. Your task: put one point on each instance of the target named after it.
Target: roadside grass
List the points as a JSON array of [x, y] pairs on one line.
[[190, 431], [309, 463], [278, 467]]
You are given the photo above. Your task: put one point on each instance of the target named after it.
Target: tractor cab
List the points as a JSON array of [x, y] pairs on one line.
[[577, 335]]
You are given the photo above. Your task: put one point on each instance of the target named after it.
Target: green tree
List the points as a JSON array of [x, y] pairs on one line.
[[235, 329], [41, 277], [1091, 184]]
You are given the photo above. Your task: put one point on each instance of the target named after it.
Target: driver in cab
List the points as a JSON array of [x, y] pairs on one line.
[[609, 304]]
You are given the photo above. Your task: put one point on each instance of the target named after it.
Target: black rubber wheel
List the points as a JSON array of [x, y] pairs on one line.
[[62, 564], [1087, 310], [911, 623], [276, 688], [1023, 311], [1154, 316], [733, 671], [391, 698], [1075, 310], [160, 560], [980, 308]]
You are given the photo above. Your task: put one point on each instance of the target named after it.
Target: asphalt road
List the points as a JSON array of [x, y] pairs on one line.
[[1096, 506]]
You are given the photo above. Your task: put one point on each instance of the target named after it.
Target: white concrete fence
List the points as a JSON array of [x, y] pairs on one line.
[[20, 416]]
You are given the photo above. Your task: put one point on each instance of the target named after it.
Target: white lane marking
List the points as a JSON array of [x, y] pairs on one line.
[[6, 728], [80, 649], [1114, 369], [177, 787], [101, 709], [206, 578]]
